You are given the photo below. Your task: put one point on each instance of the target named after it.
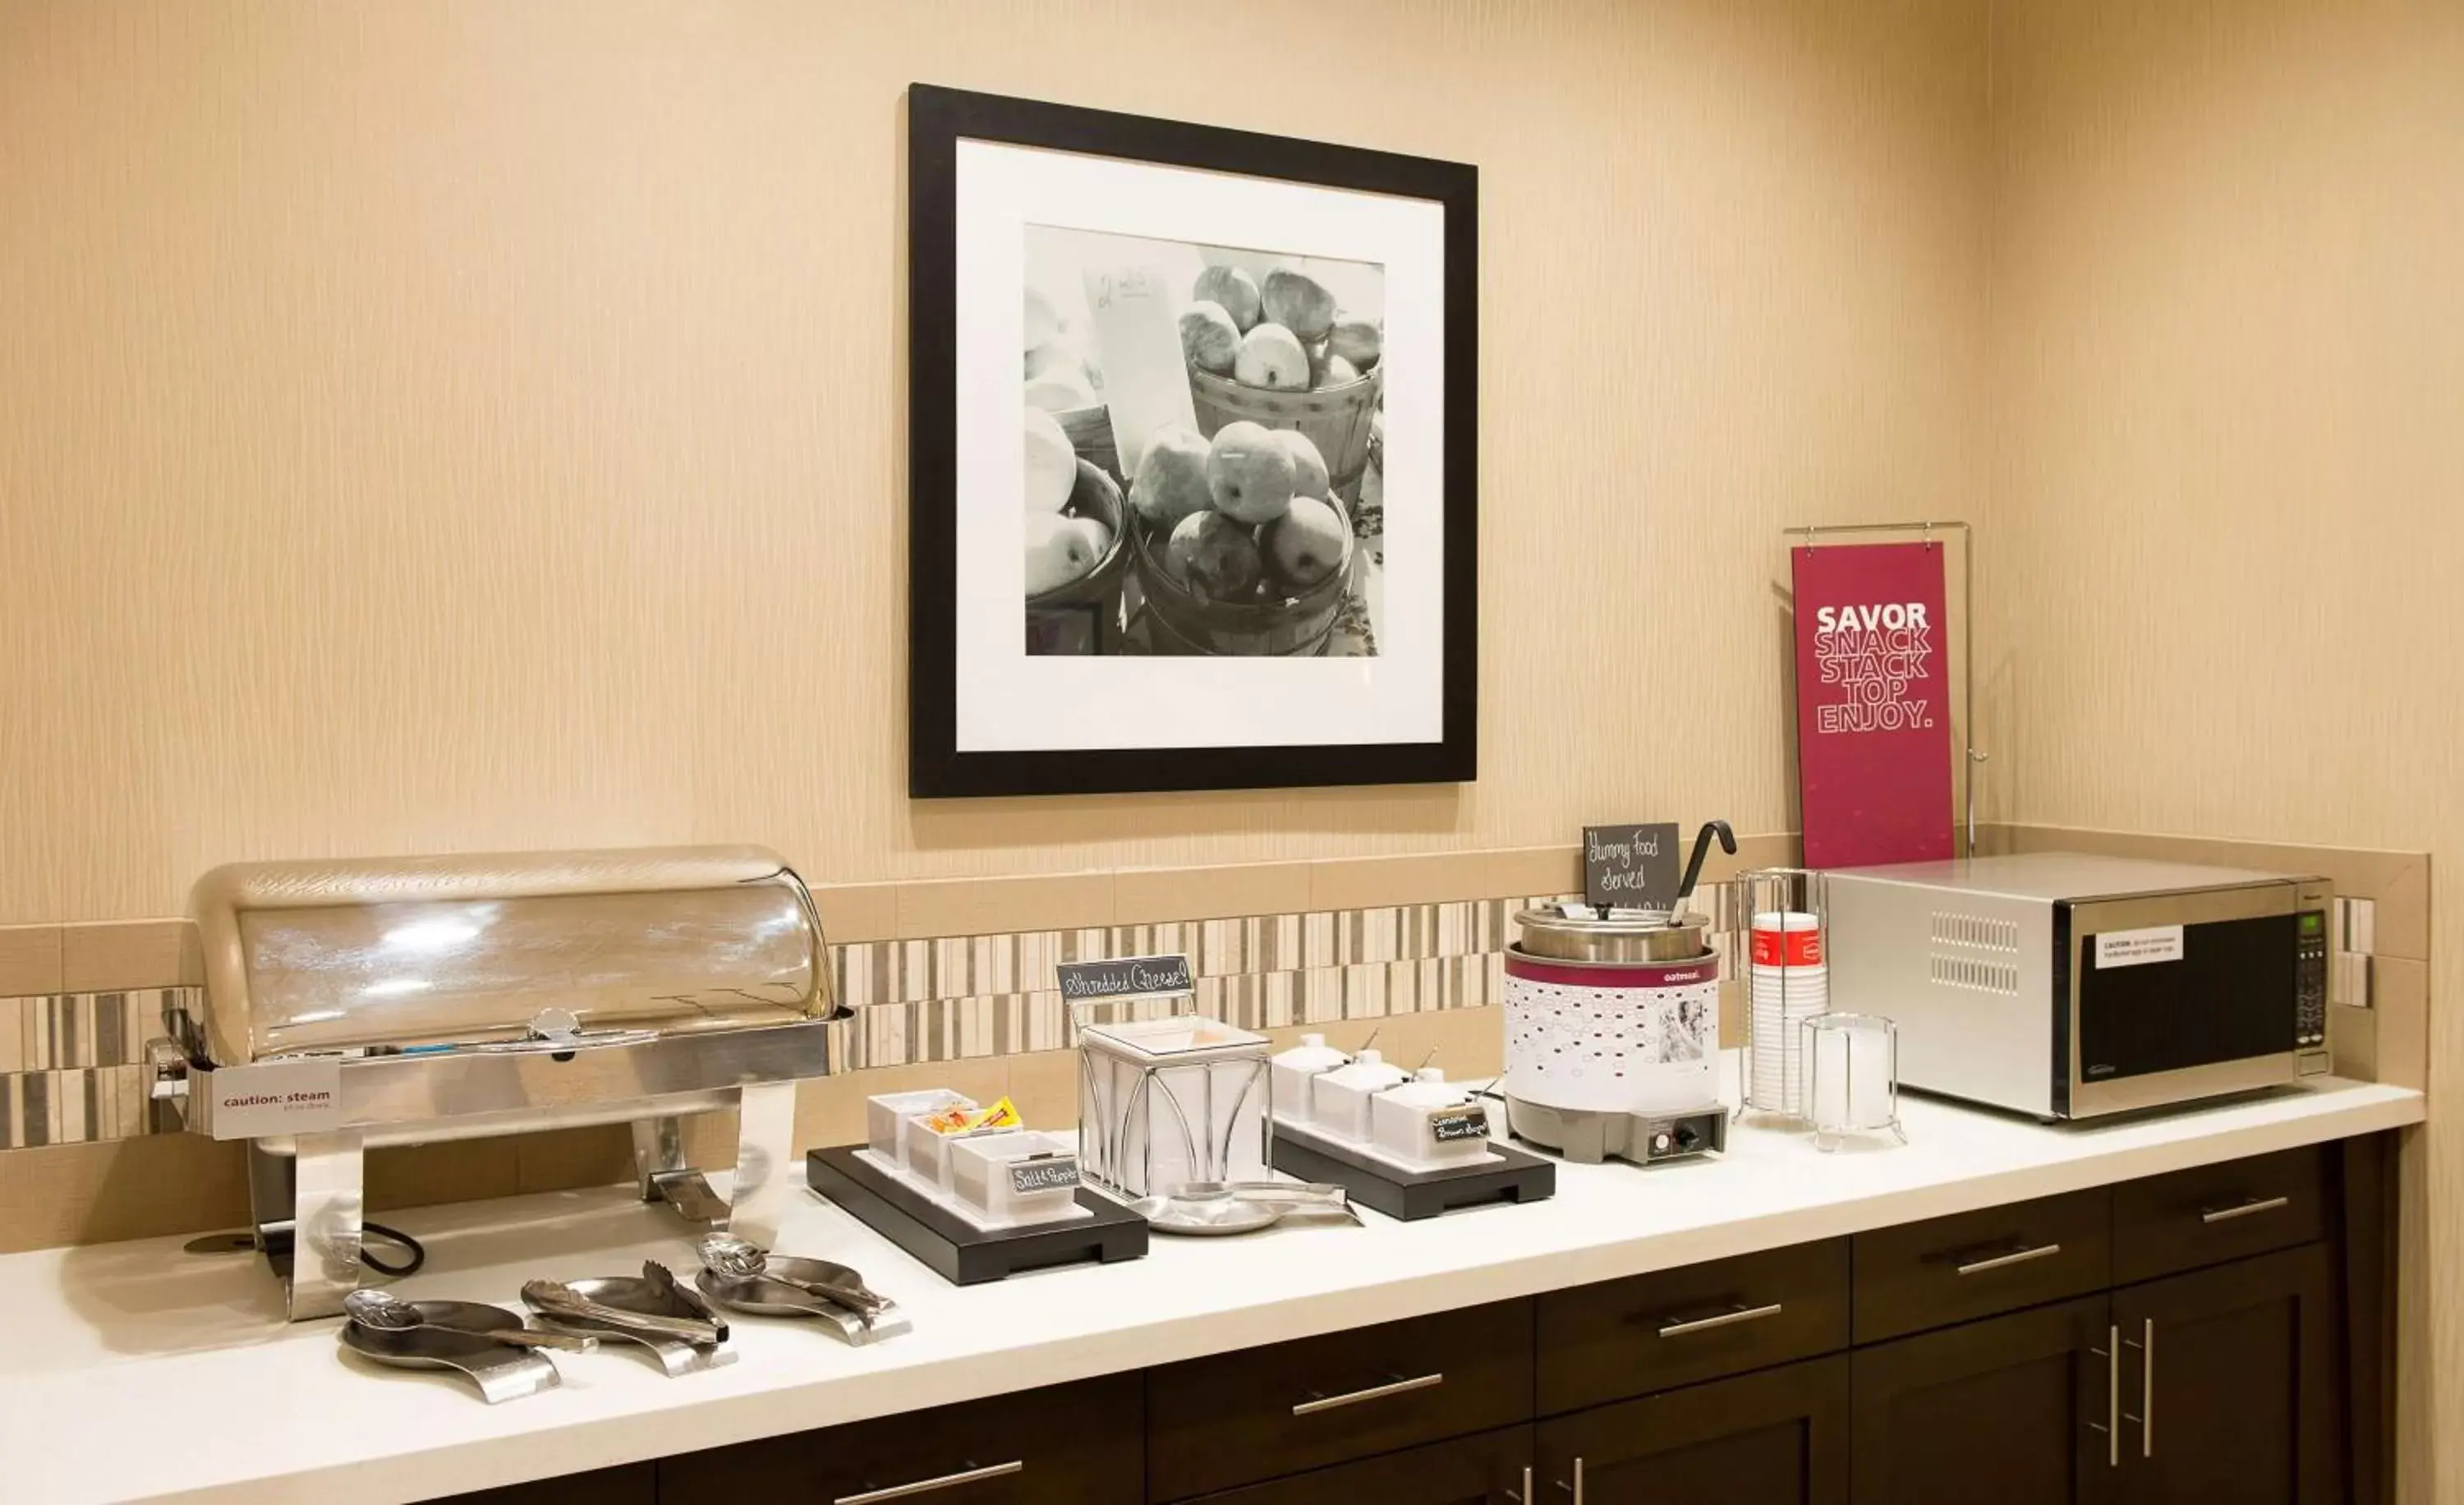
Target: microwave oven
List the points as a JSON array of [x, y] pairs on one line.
[[2072, 987]]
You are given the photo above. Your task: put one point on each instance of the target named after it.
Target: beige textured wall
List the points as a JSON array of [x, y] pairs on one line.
[[2228, 513], [431, 426]]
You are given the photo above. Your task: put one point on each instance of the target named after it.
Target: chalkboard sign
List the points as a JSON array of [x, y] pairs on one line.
[[1124, 977], [1631, 867], [1461, 1123], [1045, 1173]]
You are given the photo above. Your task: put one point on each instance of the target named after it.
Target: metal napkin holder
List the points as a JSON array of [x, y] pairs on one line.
[[354, 1005]]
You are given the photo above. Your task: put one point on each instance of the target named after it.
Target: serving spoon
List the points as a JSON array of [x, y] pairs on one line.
[[736, 1260], [383, 1312]]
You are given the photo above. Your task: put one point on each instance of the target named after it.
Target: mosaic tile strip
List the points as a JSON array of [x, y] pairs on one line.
[[72, 1065], [876, 972]]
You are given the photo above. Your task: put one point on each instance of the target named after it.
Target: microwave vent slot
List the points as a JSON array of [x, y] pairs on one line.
[[1974, 974], [1975, 932]]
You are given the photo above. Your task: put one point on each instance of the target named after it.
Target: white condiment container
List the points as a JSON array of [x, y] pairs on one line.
[[1339, 1099], [1295, 1069], [1163, 1103], [887, 1115], [986, 1171], [1405, 1122]]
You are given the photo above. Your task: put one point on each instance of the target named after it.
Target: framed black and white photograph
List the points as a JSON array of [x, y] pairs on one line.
[[1194, 447]]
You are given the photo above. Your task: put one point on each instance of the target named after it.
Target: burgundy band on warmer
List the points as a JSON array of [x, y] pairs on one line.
[[1637, 974]]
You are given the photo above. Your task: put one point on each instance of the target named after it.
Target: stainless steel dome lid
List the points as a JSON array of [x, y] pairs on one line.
[[463, 951], [1564, 931]]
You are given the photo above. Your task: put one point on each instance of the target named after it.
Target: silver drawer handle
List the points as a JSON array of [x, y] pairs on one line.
[[947, 1481], [1978, 1267], [2245, 1209], [1703, 1324], [1376, 1392]]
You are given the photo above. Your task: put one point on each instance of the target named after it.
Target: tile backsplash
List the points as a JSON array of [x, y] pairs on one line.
[[72, 1064]]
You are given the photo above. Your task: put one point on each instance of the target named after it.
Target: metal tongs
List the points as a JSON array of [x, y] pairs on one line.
[[554, 1299]]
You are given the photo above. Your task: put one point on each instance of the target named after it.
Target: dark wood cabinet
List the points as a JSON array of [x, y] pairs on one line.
[[2024, 1403], [1077, 1444], [1236, 1418], [2209, 1214], [2177, 1340], [1675, 1327], [1490, 1469], [633, 1484], [1775, 1437], [1977, 1264], [2229, 1385]]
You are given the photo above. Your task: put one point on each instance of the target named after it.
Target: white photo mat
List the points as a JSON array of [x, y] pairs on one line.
[[1008, 700]]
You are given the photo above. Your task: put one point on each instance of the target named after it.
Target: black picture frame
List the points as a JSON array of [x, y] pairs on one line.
[[937, 120]]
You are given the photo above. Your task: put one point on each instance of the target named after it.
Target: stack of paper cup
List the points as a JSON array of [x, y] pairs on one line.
[[1788, 985]]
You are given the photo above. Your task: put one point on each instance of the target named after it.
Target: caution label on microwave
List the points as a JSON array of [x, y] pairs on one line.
[[2139, 947]]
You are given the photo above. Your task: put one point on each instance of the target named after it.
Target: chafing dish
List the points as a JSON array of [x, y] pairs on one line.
[[353, 1004]]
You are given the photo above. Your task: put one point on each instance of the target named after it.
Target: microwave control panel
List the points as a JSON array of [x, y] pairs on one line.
[[2310, 980]]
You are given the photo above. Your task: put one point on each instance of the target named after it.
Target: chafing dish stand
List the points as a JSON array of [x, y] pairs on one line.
[[353, 1004]]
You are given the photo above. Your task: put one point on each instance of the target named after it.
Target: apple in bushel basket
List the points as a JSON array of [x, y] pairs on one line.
[[1171, 482], [1335, 371], [1271, 356], [1213, 556], [1358, 340], [1305, 546], [1051, 462], [1209, 338], [1299, 303], [1232, 290], [1061, 549], [1250, 474], [1311, 465]]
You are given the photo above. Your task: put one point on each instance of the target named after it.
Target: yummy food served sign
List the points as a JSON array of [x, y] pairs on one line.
[[1193, 424]]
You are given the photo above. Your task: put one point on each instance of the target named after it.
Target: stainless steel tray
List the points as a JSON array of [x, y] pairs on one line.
[[675, 1356], [770, 1298], [498, 1372]]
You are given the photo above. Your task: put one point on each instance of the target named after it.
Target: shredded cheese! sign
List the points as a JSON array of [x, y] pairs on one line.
[[1873, 724]]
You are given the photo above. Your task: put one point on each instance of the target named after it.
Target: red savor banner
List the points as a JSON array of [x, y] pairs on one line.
[[1873, 709]]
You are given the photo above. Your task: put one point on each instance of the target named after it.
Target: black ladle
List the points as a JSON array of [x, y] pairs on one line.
[[1702, 849]]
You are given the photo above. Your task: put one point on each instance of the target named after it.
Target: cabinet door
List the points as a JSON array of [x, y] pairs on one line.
[[2229, 1385], [1080, 1444], [1490, 1469], [1775, 1437], [2021, 1409]]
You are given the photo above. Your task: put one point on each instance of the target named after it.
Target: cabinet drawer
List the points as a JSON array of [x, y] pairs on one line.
[[1479, 1469], [1977, 1264], [635, 1484], [2211, 1213], [1673, 1327], [1241, 1417], [1080, 1443]]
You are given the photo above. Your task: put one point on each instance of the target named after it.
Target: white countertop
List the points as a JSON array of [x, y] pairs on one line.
[[135, 1372]]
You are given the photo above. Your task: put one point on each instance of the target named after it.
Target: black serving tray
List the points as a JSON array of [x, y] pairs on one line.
[[957, 1250], [1514, 1176]]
